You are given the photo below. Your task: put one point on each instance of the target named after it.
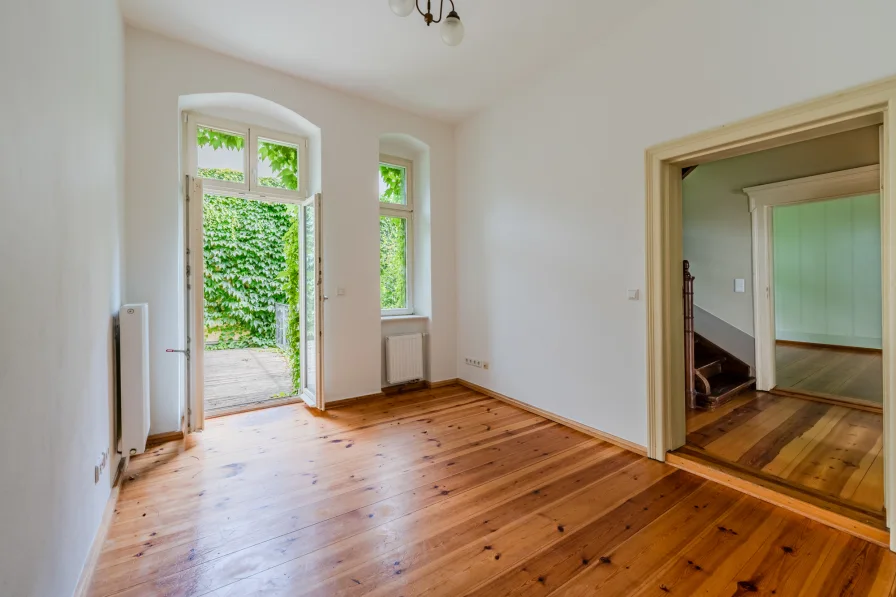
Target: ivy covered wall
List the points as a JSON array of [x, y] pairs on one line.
[[244, 269]]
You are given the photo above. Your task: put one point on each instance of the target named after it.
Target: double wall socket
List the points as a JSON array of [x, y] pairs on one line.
[[476, 363], [100, 466]]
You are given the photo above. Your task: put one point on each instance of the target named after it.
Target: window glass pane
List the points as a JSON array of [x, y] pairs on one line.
[[310, 291], [393, 262], [393, 184], [278, 165], [221, 154]]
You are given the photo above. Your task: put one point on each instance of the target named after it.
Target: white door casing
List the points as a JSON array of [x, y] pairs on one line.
[[763, 198]]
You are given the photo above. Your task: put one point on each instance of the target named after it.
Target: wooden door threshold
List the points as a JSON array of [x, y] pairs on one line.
[[857, 403], [854, 520]]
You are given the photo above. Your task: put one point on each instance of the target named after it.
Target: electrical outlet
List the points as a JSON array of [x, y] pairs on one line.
[[473, 362], [100, 466], [485, 365]]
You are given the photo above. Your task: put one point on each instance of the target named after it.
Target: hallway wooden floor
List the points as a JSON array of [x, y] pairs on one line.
[[829, 450], [831, 371], [447, 492]]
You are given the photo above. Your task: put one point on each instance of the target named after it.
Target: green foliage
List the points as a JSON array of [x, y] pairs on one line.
[[251, 253], [291, 279], [227, 174], [244, 258], [393, 242], [284, 161], [394, 177], [206, 137]]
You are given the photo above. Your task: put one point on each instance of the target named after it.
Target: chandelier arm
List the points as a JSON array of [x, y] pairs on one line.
[[442, 10], [428, 14]]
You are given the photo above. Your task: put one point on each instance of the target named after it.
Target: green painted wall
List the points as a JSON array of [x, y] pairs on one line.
[[827, 272]]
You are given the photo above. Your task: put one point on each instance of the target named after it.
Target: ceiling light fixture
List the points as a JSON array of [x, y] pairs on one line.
[[452, 28]]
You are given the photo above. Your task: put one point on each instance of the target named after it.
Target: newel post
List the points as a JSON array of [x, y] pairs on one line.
[[689, 373]]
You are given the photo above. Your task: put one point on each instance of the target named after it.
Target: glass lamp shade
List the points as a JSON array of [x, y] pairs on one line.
[[402, 7], [452, 29]]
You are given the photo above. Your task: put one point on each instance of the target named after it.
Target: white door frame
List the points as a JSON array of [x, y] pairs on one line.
[[763, 198], [314, 399], [196, 188], [195, 240], [866, 105], [195, 316]]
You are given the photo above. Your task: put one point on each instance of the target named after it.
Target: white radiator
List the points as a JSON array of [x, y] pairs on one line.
[[404, 358], [133, 326]]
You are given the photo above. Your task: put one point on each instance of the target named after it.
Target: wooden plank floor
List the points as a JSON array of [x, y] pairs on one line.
[[238, 379], [447, 492], [827, 449], [830, 370]]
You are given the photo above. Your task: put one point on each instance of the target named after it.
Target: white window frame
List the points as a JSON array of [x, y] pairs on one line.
[[406, 211], [250, 187]]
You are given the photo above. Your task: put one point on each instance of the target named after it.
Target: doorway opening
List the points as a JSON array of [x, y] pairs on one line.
[[254, 271], [825, 287], [821, 454], [251, 307]]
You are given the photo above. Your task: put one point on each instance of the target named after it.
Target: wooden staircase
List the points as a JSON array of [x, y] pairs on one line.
[[712, 375]]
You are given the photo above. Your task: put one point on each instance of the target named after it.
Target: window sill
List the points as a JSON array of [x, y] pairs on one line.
[[386, 318]]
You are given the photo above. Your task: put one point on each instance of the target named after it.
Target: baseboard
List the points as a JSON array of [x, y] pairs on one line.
[[607, 437], [802, 344], [405, 387], [856, 403], [161, 438], [775, 496], [96, 547], [393, 390]]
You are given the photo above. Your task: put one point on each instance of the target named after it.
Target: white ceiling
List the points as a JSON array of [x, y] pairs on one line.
[[361, 47]]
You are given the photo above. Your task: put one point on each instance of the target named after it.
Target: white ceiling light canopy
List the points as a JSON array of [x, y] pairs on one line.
[[452, 28]]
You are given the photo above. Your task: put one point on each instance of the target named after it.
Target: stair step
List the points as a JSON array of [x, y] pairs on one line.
[[725, 386], [712, 368]]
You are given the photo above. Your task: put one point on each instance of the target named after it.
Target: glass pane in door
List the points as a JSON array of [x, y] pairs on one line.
[[309, 352]]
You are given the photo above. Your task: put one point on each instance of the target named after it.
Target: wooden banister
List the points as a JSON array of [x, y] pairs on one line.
[[689, 366]]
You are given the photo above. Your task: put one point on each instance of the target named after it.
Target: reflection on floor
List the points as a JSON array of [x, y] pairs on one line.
[[830, 370], [828, 450], [239, 379], [444, 493]]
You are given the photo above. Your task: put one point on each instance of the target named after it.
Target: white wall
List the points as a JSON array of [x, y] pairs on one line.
[[716, 217], [551, 184], [827, 260], [159, 70], [61, 207]]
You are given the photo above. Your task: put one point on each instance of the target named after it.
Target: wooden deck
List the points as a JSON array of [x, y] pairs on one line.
[[240, 379], [447, 492]]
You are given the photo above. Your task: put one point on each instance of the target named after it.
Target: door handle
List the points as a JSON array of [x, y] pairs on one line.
[[186, 351]]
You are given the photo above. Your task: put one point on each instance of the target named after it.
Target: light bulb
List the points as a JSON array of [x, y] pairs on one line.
[[402, 7], [452, 29]]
